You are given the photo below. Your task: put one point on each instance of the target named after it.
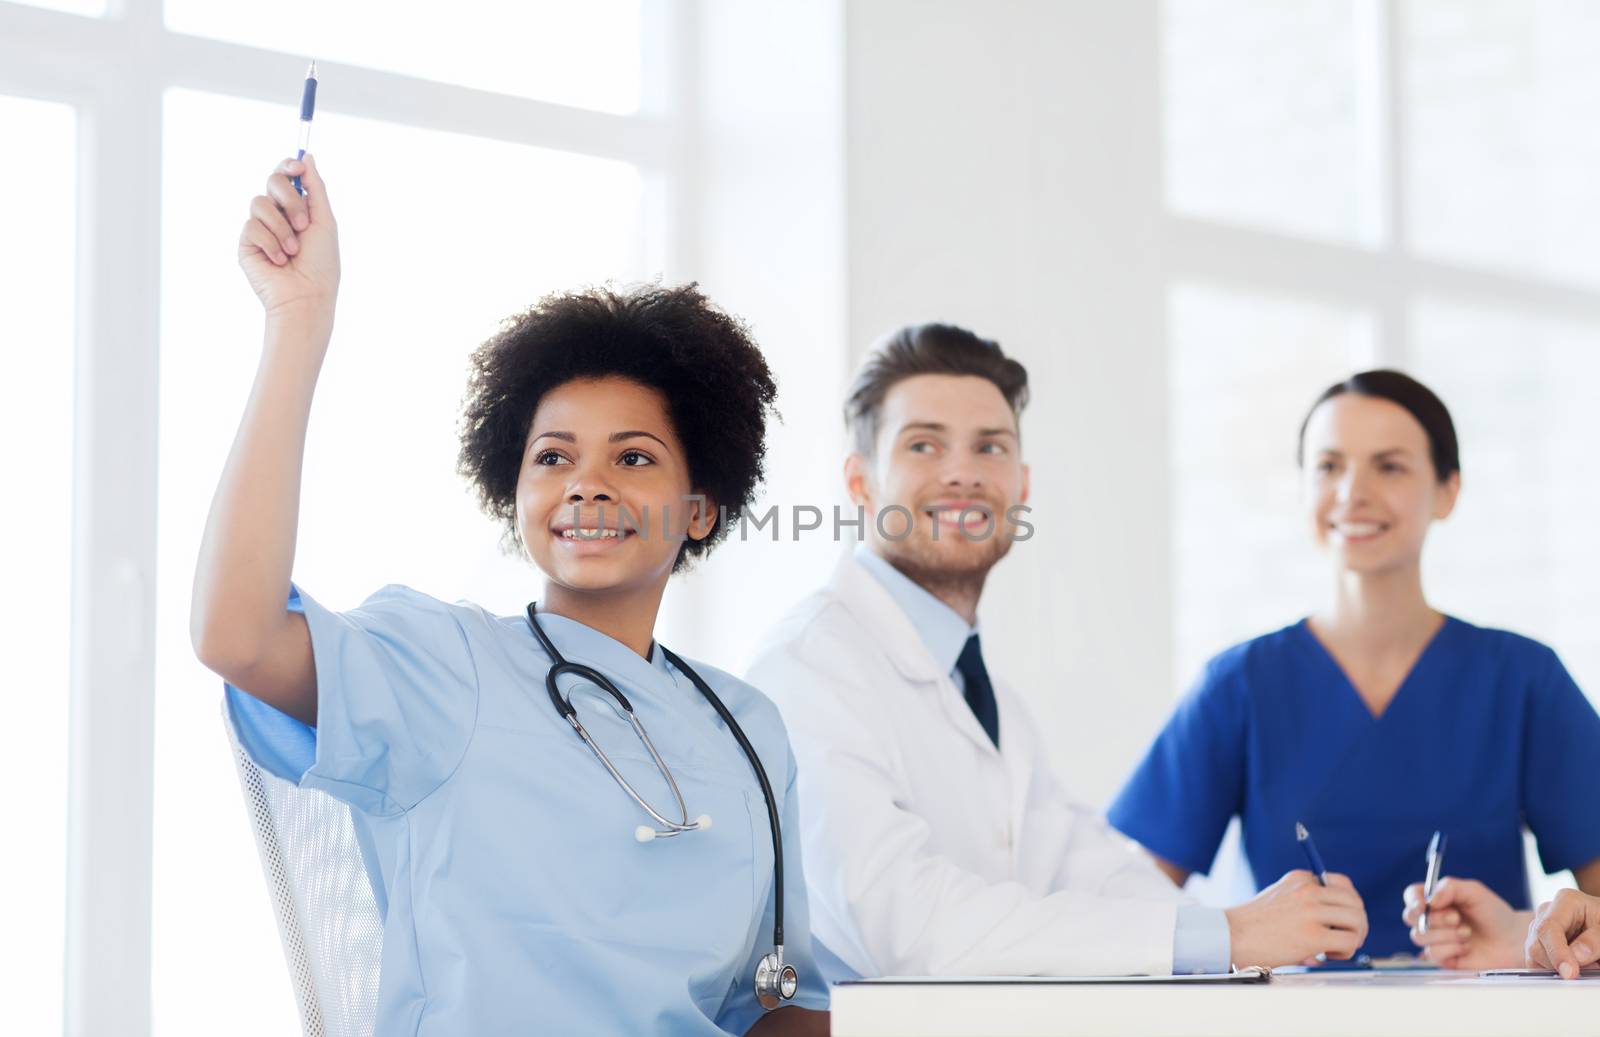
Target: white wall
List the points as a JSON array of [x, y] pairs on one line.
[[1004, 170], [766, 237], [996, 165]]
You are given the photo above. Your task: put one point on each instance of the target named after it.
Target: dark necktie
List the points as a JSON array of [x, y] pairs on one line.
[[980, 693]]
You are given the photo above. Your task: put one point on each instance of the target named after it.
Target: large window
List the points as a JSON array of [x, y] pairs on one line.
[[526, 150], [36, 424], [1354, 183], [1242, 365]]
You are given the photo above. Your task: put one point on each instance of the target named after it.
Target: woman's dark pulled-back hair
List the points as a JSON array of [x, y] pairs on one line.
[[1418, 400], [926, 349], [674, 340]]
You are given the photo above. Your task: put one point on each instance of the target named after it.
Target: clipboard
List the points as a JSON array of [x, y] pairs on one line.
[[1252, 974]]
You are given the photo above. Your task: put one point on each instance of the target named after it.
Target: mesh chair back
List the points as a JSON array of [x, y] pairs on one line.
[[318, 880]]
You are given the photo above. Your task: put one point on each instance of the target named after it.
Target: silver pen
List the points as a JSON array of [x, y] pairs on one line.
[[1436, 848]]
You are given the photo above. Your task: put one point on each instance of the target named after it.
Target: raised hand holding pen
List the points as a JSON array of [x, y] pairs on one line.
[[289, 247]]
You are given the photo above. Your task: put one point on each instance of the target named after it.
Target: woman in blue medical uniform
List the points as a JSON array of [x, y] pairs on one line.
[[1379, 720], [530, 888]]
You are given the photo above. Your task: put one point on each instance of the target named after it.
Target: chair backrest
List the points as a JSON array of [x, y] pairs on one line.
[[322, 894]]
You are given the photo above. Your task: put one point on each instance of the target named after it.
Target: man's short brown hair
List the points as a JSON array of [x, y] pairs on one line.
[[926, 349]]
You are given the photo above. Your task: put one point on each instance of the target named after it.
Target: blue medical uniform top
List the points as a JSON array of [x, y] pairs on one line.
[[1488, 733], [1201, 939], [516, 897]]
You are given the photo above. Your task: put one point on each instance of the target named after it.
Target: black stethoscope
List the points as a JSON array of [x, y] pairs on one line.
[[775, 982]]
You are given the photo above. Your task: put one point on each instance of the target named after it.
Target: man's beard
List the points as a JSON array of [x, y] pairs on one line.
[[963, 575]]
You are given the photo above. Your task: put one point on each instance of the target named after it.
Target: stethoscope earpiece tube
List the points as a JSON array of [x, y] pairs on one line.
[[775, 981]]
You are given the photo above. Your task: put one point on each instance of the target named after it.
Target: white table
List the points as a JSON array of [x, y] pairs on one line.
[[1338, 1005]]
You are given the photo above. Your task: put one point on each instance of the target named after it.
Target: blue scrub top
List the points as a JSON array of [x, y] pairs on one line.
[[516, 896], [1488, 733]]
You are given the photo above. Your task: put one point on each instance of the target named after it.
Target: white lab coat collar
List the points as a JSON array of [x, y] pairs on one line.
[[887, 625], [875, 608]]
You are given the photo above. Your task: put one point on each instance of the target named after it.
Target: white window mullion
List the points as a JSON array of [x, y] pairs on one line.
[[236, 70], [670, 60], [1389, 75], [114, 538]]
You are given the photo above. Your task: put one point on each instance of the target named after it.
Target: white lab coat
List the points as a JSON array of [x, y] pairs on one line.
[[927, 850]]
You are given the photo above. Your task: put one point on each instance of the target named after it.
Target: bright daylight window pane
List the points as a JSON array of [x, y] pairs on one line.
[[1243, 368], [1503, 155], [1520, 550], [423, 284], [1272, 115], [584, 54], [36, 524]]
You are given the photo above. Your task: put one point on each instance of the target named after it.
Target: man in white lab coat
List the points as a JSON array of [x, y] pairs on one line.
[[936, 839]]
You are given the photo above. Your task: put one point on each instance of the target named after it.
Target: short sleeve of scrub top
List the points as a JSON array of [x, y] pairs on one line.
[[1560, 758], [1191, 782], [396, 695]]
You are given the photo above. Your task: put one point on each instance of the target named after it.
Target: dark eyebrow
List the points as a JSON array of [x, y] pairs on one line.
[[1380, 455], [617, 437], [934, 426]]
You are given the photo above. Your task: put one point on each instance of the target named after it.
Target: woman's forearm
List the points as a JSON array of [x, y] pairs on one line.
[[247, 552]]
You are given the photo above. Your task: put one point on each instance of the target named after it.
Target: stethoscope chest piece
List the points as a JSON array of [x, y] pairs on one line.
[[775, 981]]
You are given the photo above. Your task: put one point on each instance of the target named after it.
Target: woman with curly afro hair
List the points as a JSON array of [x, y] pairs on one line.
[[576, 830]]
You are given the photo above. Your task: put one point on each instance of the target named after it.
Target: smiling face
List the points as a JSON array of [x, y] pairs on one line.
[[947, 445], [601, 496], [1370, 486]]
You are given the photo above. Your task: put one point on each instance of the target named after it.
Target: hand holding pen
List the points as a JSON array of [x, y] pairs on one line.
[[289, 245], [1302, 915], [1469, 925]]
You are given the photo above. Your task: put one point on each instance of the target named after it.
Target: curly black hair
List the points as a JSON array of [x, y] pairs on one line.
[[672, 339]]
